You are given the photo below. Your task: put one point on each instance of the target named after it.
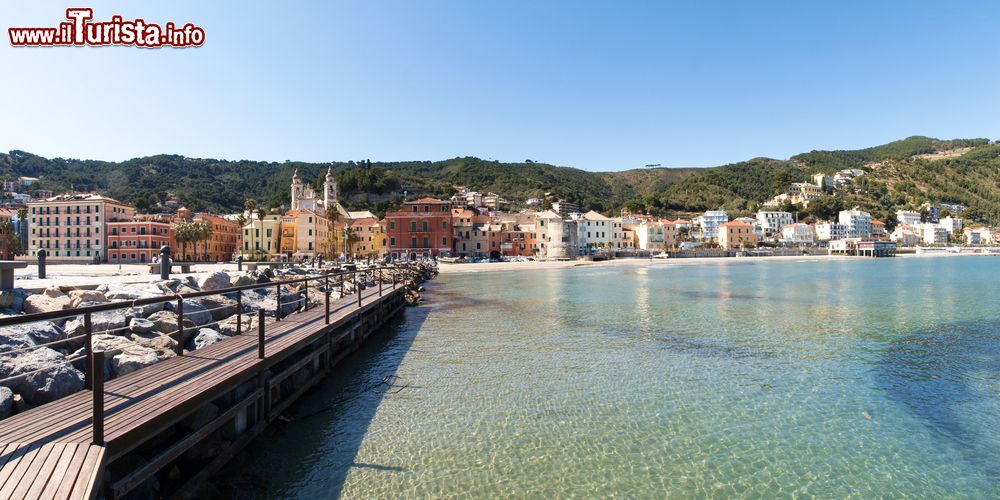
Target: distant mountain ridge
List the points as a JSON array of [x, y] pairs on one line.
[[903, 173]]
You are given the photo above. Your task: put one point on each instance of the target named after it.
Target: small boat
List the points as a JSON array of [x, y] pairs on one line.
[[662, 255]]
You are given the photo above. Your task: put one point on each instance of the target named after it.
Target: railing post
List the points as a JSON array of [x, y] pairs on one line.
[[277, 312], [260, 333], [239, 312], [357, 286], [327, 302], [97, 367], [180, 327], [341, 284], [88, 346], [306, 301], [379, 282]]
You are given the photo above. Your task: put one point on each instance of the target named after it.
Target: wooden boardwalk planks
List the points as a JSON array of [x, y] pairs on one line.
[[46, 452]]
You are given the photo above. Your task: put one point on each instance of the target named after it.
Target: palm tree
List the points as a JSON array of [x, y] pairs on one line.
[[242, 221], [251, 207], [22, 219], [9, 242], [182, 235], [332, 218], [202, 233], [351, 237]]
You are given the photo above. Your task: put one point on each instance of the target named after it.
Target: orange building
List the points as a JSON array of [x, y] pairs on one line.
[[421, 229], [734, 235], [227, 236], [136, 241]]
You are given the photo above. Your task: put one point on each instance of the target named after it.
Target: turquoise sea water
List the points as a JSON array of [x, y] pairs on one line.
[[861, 378]]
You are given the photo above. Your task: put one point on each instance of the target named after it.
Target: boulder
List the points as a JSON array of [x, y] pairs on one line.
[[6, 402], [214, 281], [124, 356], [28, 334], [205, 338], [78, 297], [170, 285], [257, 300], [111, 322], [241, 280], [197, 313], [228, 326], [218, 306], [13, 300], [141, 326], [52, 300], [53, 379], [165, 347], [166, 322], [190, 281]]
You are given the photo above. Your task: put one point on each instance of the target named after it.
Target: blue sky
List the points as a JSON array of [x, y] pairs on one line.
[[596, 85]]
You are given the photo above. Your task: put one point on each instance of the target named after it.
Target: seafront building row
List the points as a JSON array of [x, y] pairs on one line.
[[88, 227]]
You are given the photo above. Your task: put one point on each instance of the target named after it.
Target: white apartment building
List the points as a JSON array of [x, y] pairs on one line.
[[797, 234], [772, 222], [951, 224], [594, 231], [907, 217], [710, 222], [934, 234], [829, 231], [859, 223], [906, 236]]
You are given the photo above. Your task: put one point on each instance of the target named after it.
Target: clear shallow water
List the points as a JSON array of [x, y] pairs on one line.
[[830, 378]]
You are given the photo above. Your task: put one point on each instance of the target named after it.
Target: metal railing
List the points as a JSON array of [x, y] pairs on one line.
[[94, 378]]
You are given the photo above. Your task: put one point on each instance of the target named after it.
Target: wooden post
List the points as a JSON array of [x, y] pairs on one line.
[[180, 327], [239, 312], [327, 301], [379, 282], [306, 306], [97, 367], [357, 286], [341, 284], [260, 333], [88, 345]]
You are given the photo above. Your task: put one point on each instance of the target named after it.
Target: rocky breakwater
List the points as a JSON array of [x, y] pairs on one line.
[[44, 361]]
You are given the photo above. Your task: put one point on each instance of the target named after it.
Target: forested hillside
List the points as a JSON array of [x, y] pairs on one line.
[[901, 174]]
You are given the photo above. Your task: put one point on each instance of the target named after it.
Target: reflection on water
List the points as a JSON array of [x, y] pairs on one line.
[[948, 378], [857, 378]]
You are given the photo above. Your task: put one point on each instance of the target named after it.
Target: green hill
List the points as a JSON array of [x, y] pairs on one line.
[[901, 174]]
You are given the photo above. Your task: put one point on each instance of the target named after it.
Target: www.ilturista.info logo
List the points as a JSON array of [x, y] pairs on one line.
[[80, 31]]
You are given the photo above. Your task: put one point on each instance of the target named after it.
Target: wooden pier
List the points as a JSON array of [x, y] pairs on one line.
[[57, 451]]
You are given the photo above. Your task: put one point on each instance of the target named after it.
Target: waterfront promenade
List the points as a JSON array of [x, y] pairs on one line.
[[57, 451]]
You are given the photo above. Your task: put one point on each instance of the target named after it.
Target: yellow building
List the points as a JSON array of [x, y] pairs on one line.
[[72, 227], [804, 192], [735, 235], [304, 233], [368, 238], [261, 238]]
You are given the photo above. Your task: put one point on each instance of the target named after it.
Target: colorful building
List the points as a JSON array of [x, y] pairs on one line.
[[733, 235], [137, 241], [368, 238], [261, 238], [421, 229], [71, 227]]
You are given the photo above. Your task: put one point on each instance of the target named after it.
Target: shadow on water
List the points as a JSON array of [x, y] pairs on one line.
[[310, 450], [934, 376]]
